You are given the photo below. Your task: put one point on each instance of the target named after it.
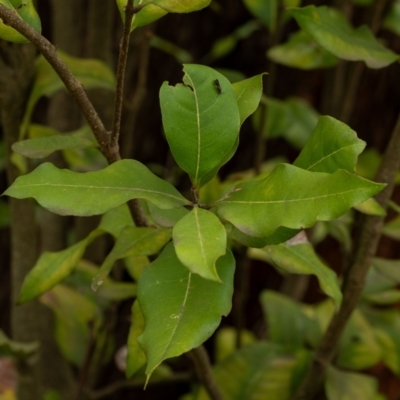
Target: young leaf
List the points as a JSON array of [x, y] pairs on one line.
[[136, 358], [116, 219], [181, 309], [248, 95], [26, 11], [70, 193], [301, 51], [301, 259], [258, 371], [52, 268], [44, 146], [330, 29], [343, 385], [331, 146], [199, 240], [158, 8], [132, 241], [392, 18], [293, 198], [201, 121], [90, 73]]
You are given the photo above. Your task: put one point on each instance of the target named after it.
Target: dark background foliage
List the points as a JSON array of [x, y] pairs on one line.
[[76, 27]]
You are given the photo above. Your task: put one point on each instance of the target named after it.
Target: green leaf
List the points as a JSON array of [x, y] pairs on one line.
[[70, 193], [388, 268], [11, 348], [74, 313], [44, 146], [225, 341], [286, 321], [136, 358], [392, 228], [180, 54], [294, 119], [25, 9], [386, 324], [132, 241], [331, 146], [293, 198], [265, 10], [201, 124], [370, 207], [248, 95], [90, 73], [52, 268], [158, 8], [392, 18], [344, 385], [116, 219], [199, 240], [301, 51], [301, 259], [258, 371], [166, 218], [358, 347], [330, 29], [181, 309]]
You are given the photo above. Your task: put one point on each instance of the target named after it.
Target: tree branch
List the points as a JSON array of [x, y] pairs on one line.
[[123, 55], [204, 372], [11, 18], [370, 234]]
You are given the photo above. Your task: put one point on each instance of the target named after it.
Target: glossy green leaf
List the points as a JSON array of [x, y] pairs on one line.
[[301, 259], [345, 385], [331, 146], [293, 198], [135, 265], [132, 241], [330, 29], [74, 313], [248, 95], [12, 348], [44, 146], [287, 323], [199, 240], [392, 18], [301, 51], [90, 73], [158, 8], [358, 348], [265, 10], [201, 124], [70, 193], [136, 358], [25, 9], [258, 371], [181, 309], [52, 268]]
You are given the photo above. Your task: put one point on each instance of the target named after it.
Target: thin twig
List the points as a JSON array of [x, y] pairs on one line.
[[123, 55], [204, 372], [11, 18], [354, 279]]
